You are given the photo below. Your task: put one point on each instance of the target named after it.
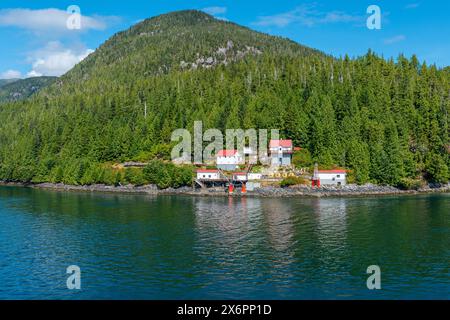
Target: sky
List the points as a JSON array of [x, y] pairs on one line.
[[36, 40]]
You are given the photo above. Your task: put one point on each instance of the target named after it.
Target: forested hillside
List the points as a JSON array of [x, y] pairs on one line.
[[385, 120], [23, 88], [6, 81]]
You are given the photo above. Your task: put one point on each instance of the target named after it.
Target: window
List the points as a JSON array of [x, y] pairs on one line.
[[209, 176], [338, 176], [334, 179]]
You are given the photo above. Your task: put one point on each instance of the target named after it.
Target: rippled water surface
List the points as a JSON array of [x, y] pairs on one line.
[[179, 247]]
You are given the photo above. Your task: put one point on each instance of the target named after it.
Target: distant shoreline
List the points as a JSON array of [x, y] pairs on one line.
[[300, 191]]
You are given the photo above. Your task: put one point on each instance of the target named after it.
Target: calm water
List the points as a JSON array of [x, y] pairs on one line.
[[141, 247]]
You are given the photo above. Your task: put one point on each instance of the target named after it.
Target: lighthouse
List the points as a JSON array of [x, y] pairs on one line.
[[315, 181]]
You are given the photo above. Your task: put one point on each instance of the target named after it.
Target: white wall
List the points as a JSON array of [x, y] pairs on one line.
[[280, 149], [254, 176], [236, 159], [208, 175], [332, 178]]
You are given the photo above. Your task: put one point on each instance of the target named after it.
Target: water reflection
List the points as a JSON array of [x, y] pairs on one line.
[[331, 219], [178, 247], [280, 228], [237, 222]]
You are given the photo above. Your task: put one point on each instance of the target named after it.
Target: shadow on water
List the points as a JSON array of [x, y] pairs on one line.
[[180, 247]]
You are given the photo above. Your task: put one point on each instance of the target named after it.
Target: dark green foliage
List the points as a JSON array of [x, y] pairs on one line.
[[94, 174], [358, 158], [134, 176], [322, 137], [382, 119], [437, 169], [302, 159], [166, 175]]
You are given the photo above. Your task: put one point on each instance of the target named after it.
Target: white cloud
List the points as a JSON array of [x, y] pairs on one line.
[[48, 20], [215, 10], [11, 74], [33, 73], [395, 39], [337, 16], [279, 20], [307, 15], [55, 59]]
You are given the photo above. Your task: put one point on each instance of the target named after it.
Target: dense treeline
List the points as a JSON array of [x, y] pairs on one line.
[[386, 120]]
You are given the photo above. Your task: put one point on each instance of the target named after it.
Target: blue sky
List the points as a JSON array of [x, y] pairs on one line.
[[36, 41]]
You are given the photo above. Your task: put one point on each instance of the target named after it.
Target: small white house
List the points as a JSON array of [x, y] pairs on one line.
[[333, 177], [281, 152], [254, 176], [254, 181], [240, 176], [208, 175], [228, 160]]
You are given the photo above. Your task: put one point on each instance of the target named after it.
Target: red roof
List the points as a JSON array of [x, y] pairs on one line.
[[280, 143], [207, 171], [332, 171], [240, 173], [226, 153]]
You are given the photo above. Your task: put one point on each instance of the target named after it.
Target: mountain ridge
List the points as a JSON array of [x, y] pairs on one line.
[[386, 121], [7, 81], [21, 89], [146, 44]]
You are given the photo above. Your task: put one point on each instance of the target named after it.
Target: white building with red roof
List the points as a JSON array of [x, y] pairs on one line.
[[203, 174], [240, 176], [228, 160], [332, 177], [281, 152]]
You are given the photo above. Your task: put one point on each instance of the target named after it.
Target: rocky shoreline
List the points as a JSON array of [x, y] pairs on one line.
[[296, 191]]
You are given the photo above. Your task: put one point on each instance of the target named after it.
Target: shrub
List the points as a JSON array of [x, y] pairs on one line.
[[143, 156], [292, 181], [437, 170], [410, 184], [6, 172], [166, 175], [73, 172], [93, 174], [112, 177], [134, 176], [161, 151], [56, 175], [43, 170], [24, 173], [118, 179], [351, 177], [182, 177], [153, 171]]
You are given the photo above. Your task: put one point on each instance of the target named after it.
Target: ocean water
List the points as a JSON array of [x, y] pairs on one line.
[[181, 247]]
